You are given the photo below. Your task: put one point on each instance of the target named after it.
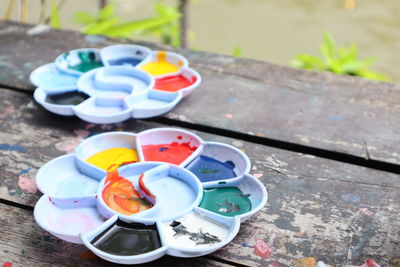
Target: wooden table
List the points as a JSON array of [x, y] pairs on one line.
[[326, 147]]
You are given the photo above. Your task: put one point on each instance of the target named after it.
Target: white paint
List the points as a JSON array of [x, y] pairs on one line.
[[194, 223], [38, 29]]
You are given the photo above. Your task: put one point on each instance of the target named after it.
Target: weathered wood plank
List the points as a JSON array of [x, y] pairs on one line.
[[317, 208], [322, 110], [23, 243]]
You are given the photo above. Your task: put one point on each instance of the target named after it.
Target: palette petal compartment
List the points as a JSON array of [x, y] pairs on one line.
[[114, 83], [132, 198]]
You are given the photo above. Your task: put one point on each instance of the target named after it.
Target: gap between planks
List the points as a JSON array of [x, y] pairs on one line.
[[288, 146]]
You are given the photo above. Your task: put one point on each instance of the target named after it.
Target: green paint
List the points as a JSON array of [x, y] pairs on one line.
[[87, 62], [208, 171], [227, 201]]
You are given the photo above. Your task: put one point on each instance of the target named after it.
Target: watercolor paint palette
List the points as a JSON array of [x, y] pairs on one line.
[[114, 83], [132, 198]]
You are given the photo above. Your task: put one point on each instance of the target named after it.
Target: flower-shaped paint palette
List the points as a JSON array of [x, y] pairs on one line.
[[132, 198], [114, 84]]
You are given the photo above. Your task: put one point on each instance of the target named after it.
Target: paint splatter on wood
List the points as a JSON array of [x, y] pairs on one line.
[[366, 211], [7, 264], [262, 249], [26, 184], [88, 255], [305, 262]]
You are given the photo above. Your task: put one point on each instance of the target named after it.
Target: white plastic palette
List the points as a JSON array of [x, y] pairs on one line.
[[196, 195], [114, 84]]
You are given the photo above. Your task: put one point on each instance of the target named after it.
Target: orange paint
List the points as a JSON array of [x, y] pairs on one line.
[[174, 83], [143, 187], [174, 153], [88, 255], [120, 195]]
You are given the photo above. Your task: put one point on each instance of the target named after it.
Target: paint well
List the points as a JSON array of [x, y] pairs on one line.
[[174, 152], [124, 61], [161, 65], [112, 158], [124, 239], [227, 201], [208, 169], [194, 231], [69, 98], [87, 61], [173, 83], [48, 76], [73, 221], [120, 195], [76, 185]]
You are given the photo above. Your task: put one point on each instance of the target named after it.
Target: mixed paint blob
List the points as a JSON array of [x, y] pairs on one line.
[[120, 195]]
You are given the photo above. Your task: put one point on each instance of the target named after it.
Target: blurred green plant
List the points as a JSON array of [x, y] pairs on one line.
[[338, 59], [237, 51], [54, 16], [164, 24]]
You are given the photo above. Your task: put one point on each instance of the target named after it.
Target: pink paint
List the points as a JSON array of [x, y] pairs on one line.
[[26, 184], [370, 263], [366, 211], [262, 249], [68, 146], [82, 133], [229, 116], [258, 175], [89, 126], [7, 264]]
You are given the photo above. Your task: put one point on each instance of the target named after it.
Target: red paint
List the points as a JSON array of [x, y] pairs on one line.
[[262, 249], [179, 137], [370, 263], [174, 83], [174, 153], [7, 264], [143, 187]]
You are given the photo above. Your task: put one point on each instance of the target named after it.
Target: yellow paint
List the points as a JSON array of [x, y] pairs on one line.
[[161, 65], [112, 158], [305, 262]]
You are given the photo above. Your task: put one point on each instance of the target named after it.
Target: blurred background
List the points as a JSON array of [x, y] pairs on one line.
[[302, 33]]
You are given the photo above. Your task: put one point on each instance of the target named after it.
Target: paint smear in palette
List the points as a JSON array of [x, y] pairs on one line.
[[87, 61], [120, 195], [173, 83], [209, 169], [161, 65], [124, 61], [227, 201], [174, 153], [126, 239], [76, 220], [111, 159], [194, 230], [69, 98]]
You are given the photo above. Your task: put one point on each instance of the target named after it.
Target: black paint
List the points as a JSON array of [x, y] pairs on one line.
[[69, 98], [126, 239]]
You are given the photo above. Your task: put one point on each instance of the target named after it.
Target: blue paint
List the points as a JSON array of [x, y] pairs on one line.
[[232, 100], [335, 117], [124, 61], [12, 147], [162, 149], [25, 171], [351, 198], [208, 169]]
